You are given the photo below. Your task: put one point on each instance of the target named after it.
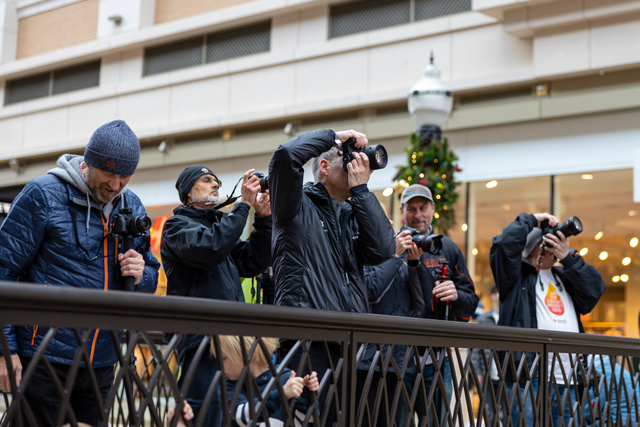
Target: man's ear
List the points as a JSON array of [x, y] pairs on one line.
[[324, 167]]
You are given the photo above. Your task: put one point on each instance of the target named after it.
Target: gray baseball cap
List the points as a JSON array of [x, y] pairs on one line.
[[415, 190]]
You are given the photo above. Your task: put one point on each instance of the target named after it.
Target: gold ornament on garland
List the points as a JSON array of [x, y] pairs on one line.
[[434, 166]]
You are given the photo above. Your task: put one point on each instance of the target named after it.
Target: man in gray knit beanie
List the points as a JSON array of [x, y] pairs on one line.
[[111, 157], [59, 233]]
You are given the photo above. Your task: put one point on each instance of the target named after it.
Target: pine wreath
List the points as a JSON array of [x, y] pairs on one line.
[[433, 165]]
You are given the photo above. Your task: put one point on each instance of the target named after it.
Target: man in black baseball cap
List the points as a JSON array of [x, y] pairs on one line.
[[203, 257]]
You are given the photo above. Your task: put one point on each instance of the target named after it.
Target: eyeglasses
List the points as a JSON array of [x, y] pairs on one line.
[[208, 179]]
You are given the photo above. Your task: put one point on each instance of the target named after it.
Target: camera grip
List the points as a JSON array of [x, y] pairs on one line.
[[129, 281]]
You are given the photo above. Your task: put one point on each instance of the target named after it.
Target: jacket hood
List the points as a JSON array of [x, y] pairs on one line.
[[69, 170]]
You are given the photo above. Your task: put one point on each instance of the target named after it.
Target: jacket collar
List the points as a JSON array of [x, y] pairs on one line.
[[211, 215]]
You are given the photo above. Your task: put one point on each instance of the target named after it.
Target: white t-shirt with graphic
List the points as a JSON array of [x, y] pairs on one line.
[[555, 312]]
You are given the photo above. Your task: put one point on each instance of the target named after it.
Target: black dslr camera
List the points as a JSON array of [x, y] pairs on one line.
[[264, 181], [431, 244], [128, 226], [571, 227], [377, 154]]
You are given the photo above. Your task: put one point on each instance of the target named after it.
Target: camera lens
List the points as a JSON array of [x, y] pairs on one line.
[[574, 225], [143, 223], [377, 157]]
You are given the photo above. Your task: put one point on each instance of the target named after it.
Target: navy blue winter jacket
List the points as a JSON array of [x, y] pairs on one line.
[[38, 244], [273, 402]]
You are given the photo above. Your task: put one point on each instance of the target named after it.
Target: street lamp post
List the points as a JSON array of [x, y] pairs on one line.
[[430, 104]]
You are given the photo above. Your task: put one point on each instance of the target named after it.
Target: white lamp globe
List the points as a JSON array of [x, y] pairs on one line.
[[430, 102]]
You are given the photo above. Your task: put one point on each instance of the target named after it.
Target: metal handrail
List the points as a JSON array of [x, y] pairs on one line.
[[421, 339]]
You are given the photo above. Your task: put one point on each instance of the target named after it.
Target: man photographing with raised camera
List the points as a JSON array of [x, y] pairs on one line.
[[535, 294], [325, 232], [59, 233], [204, 257]]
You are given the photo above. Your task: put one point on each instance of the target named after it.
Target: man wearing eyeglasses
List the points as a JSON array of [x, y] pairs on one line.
[[203, 257], [58, 233]]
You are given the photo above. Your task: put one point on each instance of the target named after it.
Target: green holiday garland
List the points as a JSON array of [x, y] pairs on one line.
[[434, 166]]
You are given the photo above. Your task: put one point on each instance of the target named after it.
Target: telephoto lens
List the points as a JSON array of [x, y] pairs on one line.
[[377, 154], [264, 181], [571, 227], [431, 243]]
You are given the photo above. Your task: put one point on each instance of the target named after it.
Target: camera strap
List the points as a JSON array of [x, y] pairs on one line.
[[72, 209], [230, 199]]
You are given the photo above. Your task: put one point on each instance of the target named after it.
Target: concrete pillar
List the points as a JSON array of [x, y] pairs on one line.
[[118, 16], [8, 30]]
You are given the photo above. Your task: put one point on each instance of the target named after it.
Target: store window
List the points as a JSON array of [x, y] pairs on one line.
[[493, 205], [604, 203]]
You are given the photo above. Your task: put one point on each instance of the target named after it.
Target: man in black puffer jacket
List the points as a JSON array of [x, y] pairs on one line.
[[203, 257], [322, 241]]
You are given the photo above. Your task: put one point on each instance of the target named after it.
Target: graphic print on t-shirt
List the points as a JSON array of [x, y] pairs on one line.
[[555, 312], [553, 301]]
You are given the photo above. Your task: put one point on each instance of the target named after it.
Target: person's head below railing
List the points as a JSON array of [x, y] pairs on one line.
[[241, 371]]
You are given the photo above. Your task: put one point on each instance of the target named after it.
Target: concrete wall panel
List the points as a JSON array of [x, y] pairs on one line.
[[399, 65], [614, 41], [344, 75], [84, 119], [488, 50], [561, 51], [202, 99], [47, 129], [145, 110], [262, 89]]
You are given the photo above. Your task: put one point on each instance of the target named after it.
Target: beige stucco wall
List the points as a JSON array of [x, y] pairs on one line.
[[54, 29], [170, 10]]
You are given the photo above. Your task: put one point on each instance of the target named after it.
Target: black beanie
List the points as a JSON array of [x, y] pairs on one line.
[[188, 177]]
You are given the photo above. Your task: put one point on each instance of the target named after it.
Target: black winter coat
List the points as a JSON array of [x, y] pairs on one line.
[[463, 307], [204, 258], [516, 278], [388, 285], [318, 259]]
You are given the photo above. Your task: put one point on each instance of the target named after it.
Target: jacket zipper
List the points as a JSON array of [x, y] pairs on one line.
[[105, 227], [35, 329]]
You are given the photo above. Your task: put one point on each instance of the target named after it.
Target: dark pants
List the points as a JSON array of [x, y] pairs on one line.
[[489, 403], [428, 374], [386, 399], [205, 371], [43, 399], [319, 360]]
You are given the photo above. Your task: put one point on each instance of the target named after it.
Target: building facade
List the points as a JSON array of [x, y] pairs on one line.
[[547, 101]]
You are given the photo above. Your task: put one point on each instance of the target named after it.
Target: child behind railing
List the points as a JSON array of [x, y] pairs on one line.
[[259, 369]]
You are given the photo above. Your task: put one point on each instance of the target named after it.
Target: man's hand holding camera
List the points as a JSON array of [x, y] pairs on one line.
[[404, 242], [251, 194], [558, 244], [132, 264], [361, 139]]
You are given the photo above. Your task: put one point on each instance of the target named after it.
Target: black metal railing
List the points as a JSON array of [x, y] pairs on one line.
[[373, 370]]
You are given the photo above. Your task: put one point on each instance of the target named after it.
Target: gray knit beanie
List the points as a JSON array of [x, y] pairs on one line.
[[533, 239], [113, 148]]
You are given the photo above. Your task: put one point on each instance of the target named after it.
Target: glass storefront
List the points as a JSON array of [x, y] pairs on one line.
[[604, 203]]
